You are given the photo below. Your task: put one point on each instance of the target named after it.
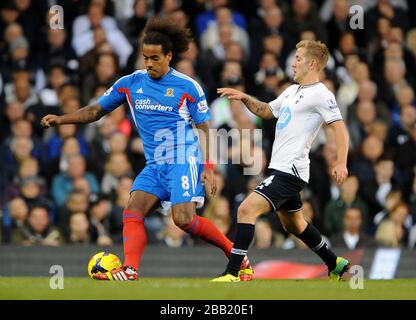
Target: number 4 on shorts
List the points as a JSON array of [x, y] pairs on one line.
[[266, 182]]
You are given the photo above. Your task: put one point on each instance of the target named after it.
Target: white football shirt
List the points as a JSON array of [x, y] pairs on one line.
[[301, 111]]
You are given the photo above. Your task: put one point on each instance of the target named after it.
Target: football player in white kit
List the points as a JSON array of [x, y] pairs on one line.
[[301, 110]]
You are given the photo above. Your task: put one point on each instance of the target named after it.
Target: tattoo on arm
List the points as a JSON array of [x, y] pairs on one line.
[[85, 115], [255, 106]]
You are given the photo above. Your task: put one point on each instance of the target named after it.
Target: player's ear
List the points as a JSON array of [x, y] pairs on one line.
[[169, 55], [313, 64]]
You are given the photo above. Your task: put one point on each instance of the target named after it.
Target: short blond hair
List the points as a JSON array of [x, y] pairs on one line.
[[315, 50]]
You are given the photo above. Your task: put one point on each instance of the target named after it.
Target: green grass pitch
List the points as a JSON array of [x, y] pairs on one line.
[[202, 289]]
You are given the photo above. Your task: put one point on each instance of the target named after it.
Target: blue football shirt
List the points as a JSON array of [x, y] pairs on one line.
[[163, 111]]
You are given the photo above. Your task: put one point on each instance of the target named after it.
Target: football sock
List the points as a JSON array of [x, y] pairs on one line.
[[206, 230], [243, 237], [313, 239], [134, 238]]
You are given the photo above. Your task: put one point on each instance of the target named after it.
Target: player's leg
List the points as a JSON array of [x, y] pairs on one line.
[[187, 192], [140, 205], [145, 195], [268, 196], [294, 223], [252, 207], [184, 216]]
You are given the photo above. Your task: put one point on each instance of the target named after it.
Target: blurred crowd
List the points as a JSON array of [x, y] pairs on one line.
[[69, 184]]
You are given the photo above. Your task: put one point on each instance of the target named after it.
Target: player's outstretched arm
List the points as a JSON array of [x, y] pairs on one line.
[[340, 171], [257, 107], [84, 115]]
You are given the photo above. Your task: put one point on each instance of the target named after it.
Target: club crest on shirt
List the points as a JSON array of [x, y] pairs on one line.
[[169, 92], [331, 104]]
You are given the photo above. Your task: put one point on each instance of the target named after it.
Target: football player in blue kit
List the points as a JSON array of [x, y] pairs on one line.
[[164, 104]]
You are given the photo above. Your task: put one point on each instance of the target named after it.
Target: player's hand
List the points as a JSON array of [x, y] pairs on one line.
[[339, 173], [230, 93], [207, 178], [50, 120]]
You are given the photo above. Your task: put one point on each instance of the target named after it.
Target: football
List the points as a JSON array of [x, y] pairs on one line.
[[103, 262]]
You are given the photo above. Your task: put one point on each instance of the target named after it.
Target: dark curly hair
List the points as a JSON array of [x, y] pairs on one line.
[[165, 32]]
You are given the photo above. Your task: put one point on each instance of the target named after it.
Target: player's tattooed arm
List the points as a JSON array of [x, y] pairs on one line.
[[87, 114], [257, 107]]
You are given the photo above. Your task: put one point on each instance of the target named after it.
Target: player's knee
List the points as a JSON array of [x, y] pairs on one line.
[[245, 212], [292, 228], [133, 206], [182, 220]]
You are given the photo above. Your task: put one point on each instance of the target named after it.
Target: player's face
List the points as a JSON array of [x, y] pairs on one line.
[[156, 62], [300, 65]]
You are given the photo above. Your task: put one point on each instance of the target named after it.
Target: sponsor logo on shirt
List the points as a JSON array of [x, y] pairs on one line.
[[284, 118], [146, 104]]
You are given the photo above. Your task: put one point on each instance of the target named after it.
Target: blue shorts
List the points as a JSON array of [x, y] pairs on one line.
[[173, 183]]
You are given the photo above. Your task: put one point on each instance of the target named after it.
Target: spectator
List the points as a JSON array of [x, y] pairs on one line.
[[70, 105], [38, 229], [404, 97], [339, 22], [100, 209], [386, 178], [62, 184], [79, 228], [321, 183], [21, 90], [14, 219], [365, 117], [105, 74], [397, 136], [393, 198], [56, 77], [211, 37], [34, 190], [14, 111], [352, 236], [22, 128], [56, 49], [83, 33], [117, 166], [371, 150], [203, 19], [136, 23], [392, 231], [21, 149], [55, 144], [303, 15], [334, 211]]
